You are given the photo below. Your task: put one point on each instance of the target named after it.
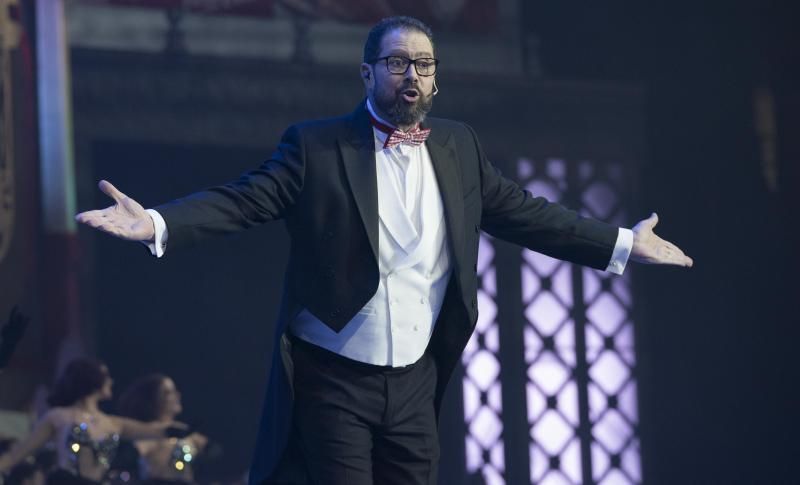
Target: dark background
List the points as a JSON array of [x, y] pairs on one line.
[[718, 377]]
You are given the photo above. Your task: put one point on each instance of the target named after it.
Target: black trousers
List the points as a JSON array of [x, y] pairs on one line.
[[361, 424]]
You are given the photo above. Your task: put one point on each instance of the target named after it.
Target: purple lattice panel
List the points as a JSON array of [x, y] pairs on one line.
[[550, 356], [600, 188], [554, 449], [483, 406], [612, 386], [609, 337], [548, 290]]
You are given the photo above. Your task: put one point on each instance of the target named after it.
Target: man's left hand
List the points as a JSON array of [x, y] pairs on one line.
[[650, 249]]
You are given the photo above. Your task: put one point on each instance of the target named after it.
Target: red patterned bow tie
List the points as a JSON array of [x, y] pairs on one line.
[[414, 137]]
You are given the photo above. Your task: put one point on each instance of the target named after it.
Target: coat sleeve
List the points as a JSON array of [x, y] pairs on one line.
[[515, 215], [261, 195]]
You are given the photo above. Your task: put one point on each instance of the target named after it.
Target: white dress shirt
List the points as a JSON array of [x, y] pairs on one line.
[[394, 327]]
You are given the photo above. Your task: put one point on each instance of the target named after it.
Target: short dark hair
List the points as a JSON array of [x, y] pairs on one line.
[[81, 378], [142, 400], [372, 47]]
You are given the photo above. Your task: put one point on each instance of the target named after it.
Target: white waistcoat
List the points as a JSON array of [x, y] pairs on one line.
[[394, 327]]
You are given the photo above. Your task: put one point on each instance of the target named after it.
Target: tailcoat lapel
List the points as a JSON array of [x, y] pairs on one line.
[[441, 147], [358, 156]]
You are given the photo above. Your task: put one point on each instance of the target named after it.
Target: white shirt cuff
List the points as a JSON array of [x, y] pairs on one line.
[[159, 245], [622, 251]]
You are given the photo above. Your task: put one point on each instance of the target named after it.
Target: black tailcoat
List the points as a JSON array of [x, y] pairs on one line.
[[321, 181]]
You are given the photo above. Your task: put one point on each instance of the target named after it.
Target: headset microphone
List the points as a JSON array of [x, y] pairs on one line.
[[435, 88]]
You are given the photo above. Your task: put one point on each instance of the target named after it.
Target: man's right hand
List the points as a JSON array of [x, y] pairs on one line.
[[126, 219]]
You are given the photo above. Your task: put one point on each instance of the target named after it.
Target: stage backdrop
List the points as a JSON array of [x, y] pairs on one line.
[[474, 16], [548, 386]]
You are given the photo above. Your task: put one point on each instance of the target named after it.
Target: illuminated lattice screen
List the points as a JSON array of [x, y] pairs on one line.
[[483, 406], [578, 345]]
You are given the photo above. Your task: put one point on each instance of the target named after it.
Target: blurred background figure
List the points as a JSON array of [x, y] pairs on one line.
[[86, 439], [155, 399]]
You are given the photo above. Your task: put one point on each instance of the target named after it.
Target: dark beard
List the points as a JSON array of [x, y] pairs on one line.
[[404, 114]]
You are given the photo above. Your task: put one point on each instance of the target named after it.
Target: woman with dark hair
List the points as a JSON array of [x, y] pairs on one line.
[[155, 399], [86, 438]]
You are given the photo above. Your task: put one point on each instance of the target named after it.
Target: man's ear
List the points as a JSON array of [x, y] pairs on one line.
[[366, 75]]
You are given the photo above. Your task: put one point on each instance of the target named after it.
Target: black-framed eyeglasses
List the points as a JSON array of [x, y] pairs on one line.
[[425, 66]]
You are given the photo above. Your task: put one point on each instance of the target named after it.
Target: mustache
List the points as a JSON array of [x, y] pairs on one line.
[[410, 85]]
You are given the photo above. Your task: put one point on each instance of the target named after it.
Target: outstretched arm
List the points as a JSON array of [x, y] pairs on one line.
[[648, 248], [259, 195], [42, 433], [126, 219], [139, 430], [199, 440]]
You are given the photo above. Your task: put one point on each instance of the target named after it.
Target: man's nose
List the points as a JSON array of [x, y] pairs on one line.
[[411, 73]]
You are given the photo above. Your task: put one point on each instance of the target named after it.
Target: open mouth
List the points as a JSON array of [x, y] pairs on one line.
[[410, 95]]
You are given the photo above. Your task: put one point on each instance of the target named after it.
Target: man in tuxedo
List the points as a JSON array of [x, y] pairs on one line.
[[384, 207]]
